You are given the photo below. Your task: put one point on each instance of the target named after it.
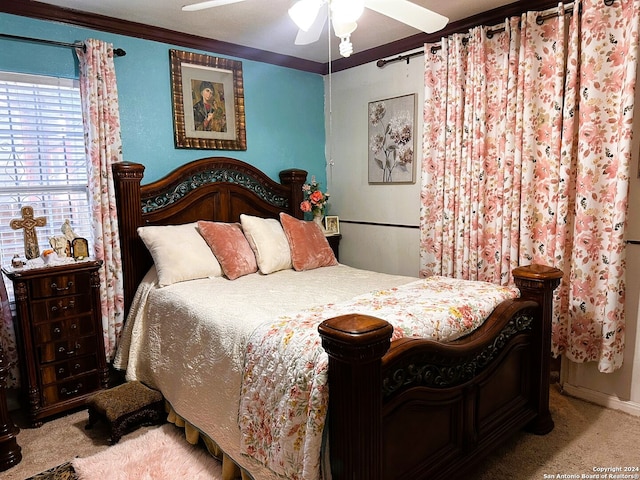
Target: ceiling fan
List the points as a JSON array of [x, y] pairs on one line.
[[310, 17]]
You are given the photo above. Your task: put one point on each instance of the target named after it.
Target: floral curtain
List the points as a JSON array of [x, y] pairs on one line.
[[102, 132], [533, 164], [8, 338]]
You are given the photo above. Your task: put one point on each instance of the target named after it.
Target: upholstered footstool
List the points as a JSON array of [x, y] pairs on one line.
[[125, 408]]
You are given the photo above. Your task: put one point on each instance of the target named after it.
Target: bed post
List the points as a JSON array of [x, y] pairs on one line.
[[537, 282], [294, 179], [127, 178], [355, 345]]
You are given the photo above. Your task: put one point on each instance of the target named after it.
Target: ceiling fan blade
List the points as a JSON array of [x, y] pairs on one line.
[[313, 34], [209, 4], [409, 13]]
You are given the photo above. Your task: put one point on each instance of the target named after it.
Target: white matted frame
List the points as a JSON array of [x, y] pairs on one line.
[[191, 73], [392, 140], [332, 225]]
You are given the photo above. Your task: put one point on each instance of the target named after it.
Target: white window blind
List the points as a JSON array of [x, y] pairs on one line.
[[42, 159]]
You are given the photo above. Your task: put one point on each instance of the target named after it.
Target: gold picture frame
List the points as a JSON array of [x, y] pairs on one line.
[[80, 248], [218, 123], [332, 225]]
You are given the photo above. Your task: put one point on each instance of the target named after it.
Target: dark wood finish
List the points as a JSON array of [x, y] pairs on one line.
[[443, 406], [39, 10], [10, 451], [334, 243], [226, 188], [59, 335], [412, 408]]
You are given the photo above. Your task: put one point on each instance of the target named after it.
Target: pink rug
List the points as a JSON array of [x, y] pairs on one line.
[[162, 453]]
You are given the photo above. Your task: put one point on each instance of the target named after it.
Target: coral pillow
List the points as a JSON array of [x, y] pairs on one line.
[[309, 247], [230, 247]]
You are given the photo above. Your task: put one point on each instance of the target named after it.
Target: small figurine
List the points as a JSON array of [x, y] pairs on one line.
[[68, 231], [17, 262], [61, 245]]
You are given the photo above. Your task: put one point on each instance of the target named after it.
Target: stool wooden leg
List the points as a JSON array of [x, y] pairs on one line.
[[93, 419]]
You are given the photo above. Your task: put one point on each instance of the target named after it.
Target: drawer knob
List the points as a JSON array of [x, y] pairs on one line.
[[69, 306], [64, 391], [60, 370], [73, 352], [54, 286], [57, 330]]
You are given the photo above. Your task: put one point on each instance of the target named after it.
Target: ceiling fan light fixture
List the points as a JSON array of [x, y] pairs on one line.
[[346, 11], [343, 31], [346, 47], [304, 12]]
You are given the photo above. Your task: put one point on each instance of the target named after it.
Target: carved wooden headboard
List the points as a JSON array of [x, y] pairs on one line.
[[216, 189]]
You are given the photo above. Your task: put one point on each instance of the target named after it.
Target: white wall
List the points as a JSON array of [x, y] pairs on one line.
[[375, 247], [395, 250]]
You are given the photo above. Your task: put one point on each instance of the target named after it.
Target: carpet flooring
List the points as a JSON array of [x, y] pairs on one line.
[[586, 437]]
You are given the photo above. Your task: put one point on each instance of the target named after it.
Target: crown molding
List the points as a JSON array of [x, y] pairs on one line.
[[490, 17], [43, 11]]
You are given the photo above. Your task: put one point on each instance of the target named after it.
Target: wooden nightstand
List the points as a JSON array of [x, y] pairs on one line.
[[334, 243], [59, 335]]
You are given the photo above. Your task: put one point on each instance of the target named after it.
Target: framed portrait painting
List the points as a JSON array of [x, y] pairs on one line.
[[391, 132], [208, 102]]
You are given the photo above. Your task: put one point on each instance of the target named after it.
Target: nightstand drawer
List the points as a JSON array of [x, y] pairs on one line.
[[55, 308], [63, 370], [60, 392], [57, 285], [59, 326], [63, 329], [56, 351]]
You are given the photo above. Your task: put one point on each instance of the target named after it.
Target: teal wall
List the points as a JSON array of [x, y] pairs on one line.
[[284, 107]]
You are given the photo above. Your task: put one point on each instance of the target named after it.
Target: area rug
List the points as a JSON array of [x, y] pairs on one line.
[[160, 454]]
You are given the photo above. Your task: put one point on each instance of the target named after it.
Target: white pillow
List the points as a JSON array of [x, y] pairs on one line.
[[268, 242], [179, 253]]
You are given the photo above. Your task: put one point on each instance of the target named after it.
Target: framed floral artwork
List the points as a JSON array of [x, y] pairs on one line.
[[392, 140], [208, 102]]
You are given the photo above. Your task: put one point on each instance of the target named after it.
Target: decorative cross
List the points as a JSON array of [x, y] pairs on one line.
[[31, 249]]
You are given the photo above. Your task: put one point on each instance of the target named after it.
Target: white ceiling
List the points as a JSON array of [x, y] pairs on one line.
[[265, 25]]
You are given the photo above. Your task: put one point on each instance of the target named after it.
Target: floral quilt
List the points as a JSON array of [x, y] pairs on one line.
[[284, 389]]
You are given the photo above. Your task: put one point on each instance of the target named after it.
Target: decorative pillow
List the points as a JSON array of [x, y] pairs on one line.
[[230, 247], [179, 253], [309, 247], [268, 242]]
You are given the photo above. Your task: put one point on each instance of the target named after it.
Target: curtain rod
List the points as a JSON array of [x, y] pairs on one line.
[[492, 31], [118, 52]]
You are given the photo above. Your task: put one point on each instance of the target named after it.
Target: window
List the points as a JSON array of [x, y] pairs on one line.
[[42, 159]]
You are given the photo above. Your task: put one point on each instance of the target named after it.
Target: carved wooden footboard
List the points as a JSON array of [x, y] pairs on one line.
[[415, 408]]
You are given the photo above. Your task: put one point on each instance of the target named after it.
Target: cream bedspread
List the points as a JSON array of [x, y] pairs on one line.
[[188, 339]]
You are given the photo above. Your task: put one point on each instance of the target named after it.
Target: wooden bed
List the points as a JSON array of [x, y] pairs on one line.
[[411, 408]]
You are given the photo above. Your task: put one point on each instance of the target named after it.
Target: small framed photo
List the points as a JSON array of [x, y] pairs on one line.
[[80, 248], [332, 225]]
